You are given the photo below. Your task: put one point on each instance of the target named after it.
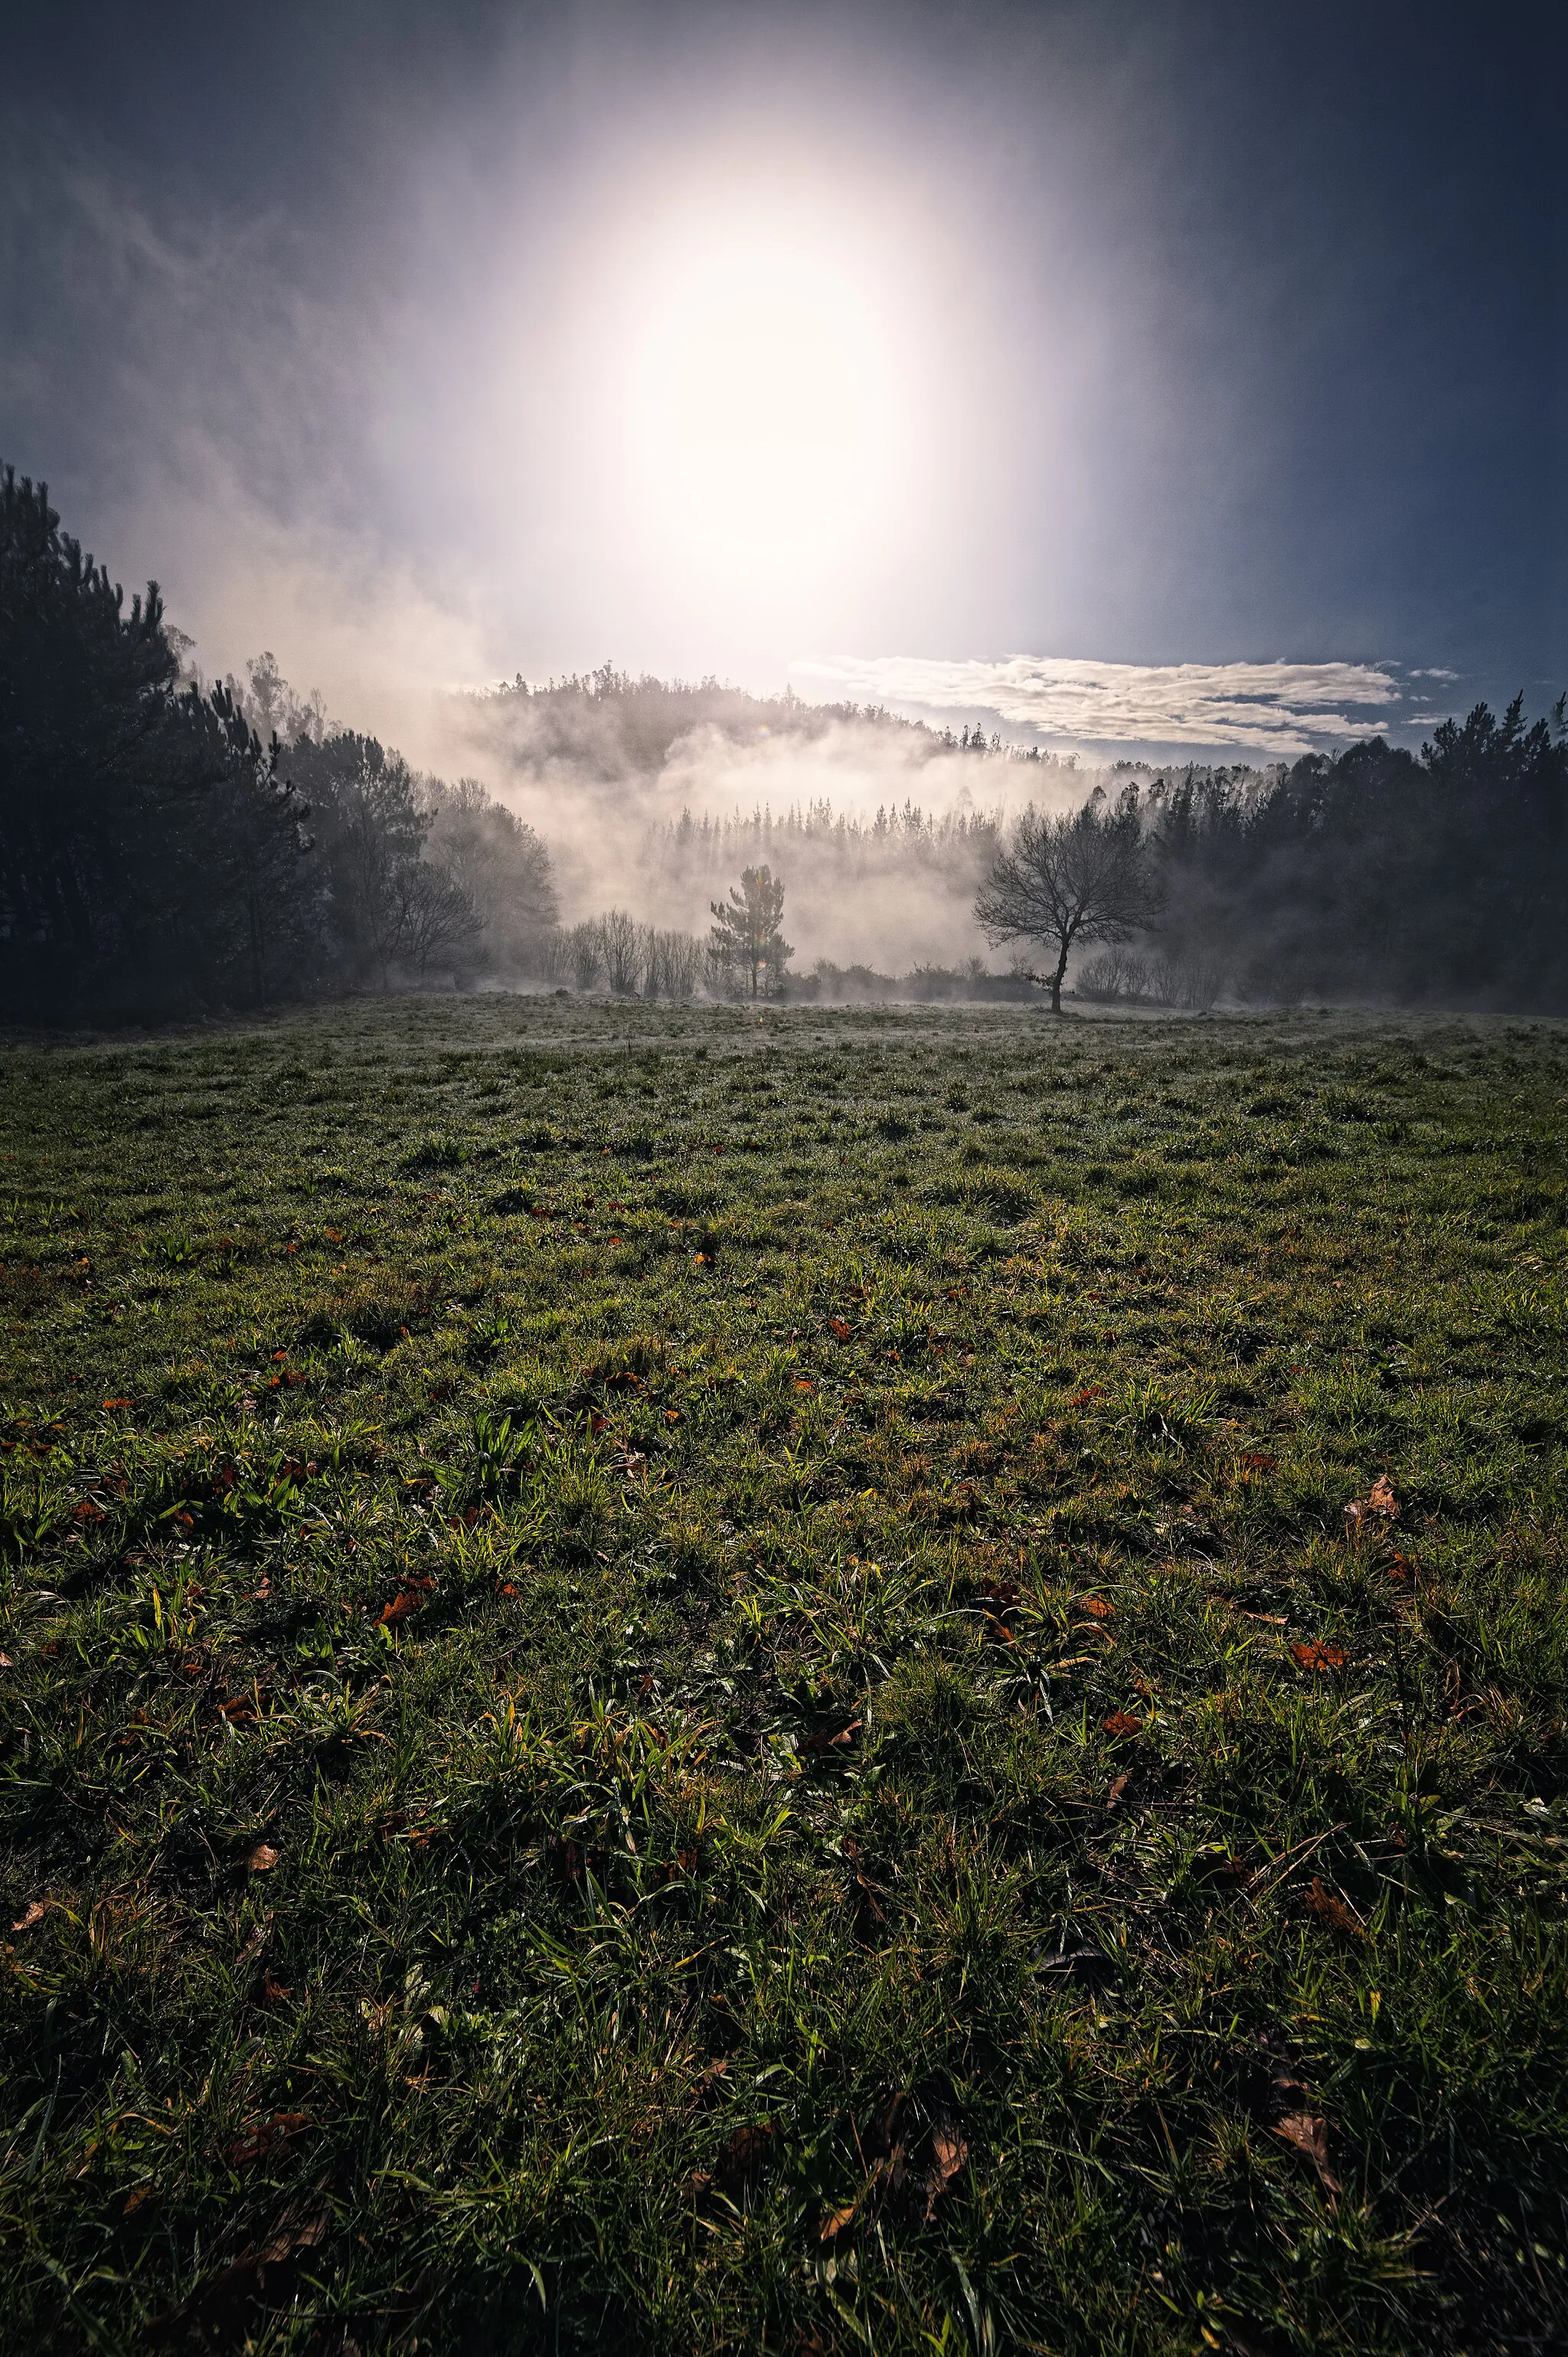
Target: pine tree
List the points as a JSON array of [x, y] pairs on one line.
[[746, 938]]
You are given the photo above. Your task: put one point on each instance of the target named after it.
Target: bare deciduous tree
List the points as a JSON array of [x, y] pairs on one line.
[[1068, 881], [586, 953], [620, 946], [435, 916]]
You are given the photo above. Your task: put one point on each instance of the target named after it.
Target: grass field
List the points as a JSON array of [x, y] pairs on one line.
[[682, 1681]]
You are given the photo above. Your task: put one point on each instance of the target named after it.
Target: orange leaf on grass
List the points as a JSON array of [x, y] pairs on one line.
[[1097, 1607], [263, 1859], [1315, 1655], [837, 1326], [1122, 1722], [816, 1746], [949, 2150], [116, 1402], [1330, 1909], [35, 1914]]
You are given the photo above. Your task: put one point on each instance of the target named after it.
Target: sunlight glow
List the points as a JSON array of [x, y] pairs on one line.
[[764, 407]]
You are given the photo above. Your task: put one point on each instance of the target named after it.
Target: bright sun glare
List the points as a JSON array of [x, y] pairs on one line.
[[764, 401]]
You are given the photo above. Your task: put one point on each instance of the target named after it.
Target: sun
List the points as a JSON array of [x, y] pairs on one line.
[[763, 398]]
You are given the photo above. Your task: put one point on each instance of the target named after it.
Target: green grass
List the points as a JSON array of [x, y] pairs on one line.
[[687, 1681]]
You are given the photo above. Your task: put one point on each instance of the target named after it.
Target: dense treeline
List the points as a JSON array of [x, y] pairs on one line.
[[158, 854], [146, 836], [1437, 878], [1379, 876]]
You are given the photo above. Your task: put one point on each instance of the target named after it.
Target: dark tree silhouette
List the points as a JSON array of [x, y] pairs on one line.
[[146, 843], [1068, 880]]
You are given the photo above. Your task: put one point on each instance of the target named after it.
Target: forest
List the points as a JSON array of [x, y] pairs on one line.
[[170, 847]]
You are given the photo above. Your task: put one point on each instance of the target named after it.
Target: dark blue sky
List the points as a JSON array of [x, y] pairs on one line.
[[1238, 330]]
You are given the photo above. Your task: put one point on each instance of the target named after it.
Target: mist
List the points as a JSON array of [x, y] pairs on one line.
[[652, 798]]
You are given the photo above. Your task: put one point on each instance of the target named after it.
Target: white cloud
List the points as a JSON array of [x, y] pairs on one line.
[[1278, 709]]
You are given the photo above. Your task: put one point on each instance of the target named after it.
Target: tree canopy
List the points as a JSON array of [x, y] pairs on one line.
[[746, 938]]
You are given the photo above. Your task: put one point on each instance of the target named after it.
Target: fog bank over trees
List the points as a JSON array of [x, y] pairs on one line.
[[169, 845]]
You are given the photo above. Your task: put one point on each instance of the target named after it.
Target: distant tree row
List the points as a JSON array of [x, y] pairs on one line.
[[628, 959], [609, 724], [745, 955]]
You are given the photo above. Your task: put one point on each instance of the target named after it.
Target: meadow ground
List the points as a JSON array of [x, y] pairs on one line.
[[674, 1680]]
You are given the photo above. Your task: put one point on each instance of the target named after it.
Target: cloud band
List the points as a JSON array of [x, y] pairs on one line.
[[1279, 709]]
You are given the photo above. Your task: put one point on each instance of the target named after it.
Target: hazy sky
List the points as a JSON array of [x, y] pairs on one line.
[[1141, 374]]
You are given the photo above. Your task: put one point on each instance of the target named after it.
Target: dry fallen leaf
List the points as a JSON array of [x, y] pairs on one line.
[[815, 1747], [223, 2312], [835, 2223], [34, 1914], [1097, 1607], [839, 1327], [1314, 1655], [257, 1940], [1309, 2135], [259, 2140], [1122, 1722], [746, 2153], [1116, 1791], [1331, 1910], [949, 2152], [263, 1859], [1379, 1506], [6, 1663]]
